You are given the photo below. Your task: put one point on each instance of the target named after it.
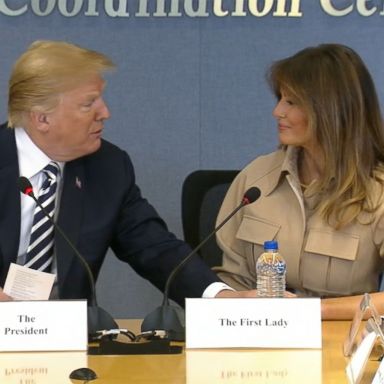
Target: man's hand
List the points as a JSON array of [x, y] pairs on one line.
[[4, 297], [227, 293]]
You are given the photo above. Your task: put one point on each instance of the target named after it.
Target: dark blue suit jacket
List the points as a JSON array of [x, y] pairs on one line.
[[100, 207]]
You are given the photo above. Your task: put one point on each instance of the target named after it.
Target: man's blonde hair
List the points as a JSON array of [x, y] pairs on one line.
[[44, 71]]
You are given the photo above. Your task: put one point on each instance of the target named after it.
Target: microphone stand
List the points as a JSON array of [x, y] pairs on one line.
[[167, 317], [98, 318], [100, 321]]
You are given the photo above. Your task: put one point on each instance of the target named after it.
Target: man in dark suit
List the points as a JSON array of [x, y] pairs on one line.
[[56, 113]]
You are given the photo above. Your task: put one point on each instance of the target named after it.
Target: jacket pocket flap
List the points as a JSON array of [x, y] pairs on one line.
[[332, 243], [256, 230]]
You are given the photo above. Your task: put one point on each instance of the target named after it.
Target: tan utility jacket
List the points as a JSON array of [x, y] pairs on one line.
[[321, 261]]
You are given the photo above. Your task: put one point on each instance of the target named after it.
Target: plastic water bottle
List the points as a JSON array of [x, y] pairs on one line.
[[270, 269]]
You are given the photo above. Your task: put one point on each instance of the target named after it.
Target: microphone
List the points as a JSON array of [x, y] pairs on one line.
[[167, 317], [98, 318]]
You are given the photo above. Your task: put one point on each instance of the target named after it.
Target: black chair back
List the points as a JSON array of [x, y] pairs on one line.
[[202, 194]]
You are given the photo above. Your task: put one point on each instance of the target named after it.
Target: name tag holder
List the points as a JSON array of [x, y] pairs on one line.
[[365, 306], [43, 326], [253, 323], [361, 341], [371, 335]]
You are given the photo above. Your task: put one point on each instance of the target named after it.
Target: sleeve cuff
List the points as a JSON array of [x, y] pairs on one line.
[[212, 290]]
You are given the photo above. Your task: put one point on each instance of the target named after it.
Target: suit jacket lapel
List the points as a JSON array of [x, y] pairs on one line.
[[9, 201], [70, 217]]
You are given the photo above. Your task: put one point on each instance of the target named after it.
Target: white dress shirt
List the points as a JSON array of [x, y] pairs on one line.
[[31, 163]]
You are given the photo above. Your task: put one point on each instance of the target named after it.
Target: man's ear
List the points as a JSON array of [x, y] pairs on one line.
[[39, 120]]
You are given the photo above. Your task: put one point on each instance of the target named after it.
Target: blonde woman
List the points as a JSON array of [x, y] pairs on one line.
[[322, 190]]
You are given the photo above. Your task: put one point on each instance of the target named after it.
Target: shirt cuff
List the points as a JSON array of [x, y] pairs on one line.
[[212, 290]]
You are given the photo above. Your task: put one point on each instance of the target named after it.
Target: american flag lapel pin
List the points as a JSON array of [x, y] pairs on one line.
[[78, 182]]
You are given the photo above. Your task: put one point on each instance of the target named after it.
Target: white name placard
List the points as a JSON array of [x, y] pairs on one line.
[[253, 323], [43, 326]]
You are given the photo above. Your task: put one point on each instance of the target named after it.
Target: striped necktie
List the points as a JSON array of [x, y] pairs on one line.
[[40, 249]]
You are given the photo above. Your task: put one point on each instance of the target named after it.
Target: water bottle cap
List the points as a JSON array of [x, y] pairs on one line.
[[272, 244]]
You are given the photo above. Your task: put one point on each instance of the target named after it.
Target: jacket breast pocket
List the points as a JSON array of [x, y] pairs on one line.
[[328, 260], [252, 232]]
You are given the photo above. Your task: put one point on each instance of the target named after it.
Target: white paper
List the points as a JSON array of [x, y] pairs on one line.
[[28, 284]]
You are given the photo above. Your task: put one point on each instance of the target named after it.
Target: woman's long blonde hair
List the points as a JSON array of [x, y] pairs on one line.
[[334, 87]]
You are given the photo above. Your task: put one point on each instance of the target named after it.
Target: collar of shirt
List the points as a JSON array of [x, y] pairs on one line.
[[31, 158], [286, 164], [290, 161]]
